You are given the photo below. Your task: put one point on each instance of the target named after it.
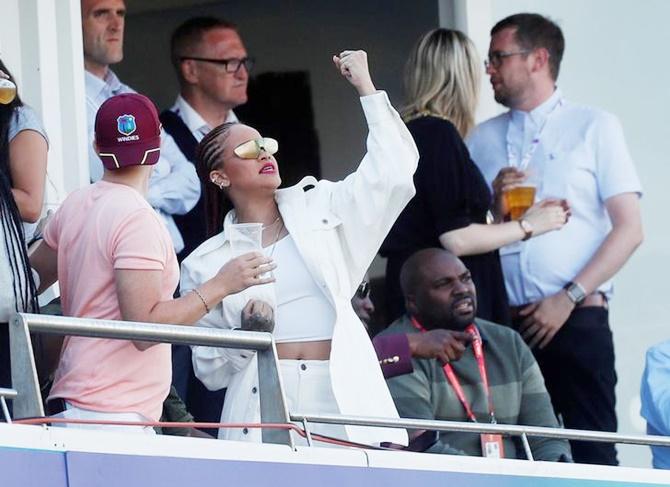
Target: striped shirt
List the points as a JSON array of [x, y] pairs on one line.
[[516, 384]]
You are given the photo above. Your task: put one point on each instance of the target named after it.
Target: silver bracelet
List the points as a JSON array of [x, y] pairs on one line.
[[204, 303]]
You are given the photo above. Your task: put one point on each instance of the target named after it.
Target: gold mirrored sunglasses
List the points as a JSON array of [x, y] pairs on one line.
[[251, 149]]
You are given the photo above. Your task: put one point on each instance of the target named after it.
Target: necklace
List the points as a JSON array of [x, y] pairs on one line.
[[274, 244], [271, 224]]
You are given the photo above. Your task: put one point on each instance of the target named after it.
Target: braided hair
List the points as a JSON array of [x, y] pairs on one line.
[[11, 224], [209, 156]]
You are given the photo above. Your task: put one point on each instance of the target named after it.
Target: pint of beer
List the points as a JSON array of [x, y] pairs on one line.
[[7, 91], [517, 200]]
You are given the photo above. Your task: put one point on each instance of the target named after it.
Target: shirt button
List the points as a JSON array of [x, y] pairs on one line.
[[245, 431], [254, 390], [303, 366], [324, 221]]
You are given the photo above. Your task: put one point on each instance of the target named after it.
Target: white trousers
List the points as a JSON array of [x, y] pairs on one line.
[[308, 391], [74, 412]]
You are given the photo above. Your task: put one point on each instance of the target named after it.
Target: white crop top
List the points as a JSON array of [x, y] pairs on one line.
[[303, 313]]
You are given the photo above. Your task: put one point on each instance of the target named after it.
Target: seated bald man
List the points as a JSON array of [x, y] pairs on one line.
[[439, 294]]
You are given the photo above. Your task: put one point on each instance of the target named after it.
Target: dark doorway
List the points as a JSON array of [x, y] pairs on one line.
[[280, 106]]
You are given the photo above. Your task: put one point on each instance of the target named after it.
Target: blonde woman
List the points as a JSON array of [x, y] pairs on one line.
[[442, 78]]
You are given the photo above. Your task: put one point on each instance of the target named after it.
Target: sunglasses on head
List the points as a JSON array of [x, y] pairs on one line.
[[363, 291], [251, 149]]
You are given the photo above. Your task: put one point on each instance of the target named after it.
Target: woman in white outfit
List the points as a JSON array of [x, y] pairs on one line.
[[323, 236]]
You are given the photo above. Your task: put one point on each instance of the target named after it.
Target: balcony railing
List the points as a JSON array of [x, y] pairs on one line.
[[27, 401]]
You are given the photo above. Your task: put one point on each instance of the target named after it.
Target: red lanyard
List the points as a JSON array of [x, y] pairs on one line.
[[481, 364]]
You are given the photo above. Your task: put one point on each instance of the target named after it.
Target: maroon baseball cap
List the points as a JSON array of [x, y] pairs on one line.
[[128, 131]]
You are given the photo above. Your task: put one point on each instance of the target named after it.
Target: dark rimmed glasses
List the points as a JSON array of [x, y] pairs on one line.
[[496, 58], [251, 149], [231, 66]]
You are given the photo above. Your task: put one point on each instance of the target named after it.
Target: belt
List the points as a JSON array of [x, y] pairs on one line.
[[596, 299]]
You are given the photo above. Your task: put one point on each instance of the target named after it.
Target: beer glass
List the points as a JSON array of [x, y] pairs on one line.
[[7, 91], [518, 199]]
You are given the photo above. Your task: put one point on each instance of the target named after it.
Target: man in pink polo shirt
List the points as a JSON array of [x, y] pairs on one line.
[[115, 260]]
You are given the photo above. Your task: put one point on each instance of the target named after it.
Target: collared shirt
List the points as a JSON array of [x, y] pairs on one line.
[[581, 156], [656, 400], [195, 123], [174, 187]]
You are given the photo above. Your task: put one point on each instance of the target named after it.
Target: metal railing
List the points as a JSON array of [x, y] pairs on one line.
[[4, 395], [505, 429], [28, 402]]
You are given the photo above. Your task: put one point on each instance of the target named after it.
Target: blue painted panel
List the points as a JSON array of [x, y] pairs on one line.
[[89, 469], [32, 468]]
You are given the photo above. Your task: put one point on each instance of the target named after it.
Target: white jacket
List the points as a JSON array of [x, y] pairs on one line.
[[338, 228]]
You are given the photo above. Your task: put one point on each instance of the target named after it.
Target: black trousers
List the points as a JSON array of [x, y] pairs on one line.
[[203, 404], [578, 369]]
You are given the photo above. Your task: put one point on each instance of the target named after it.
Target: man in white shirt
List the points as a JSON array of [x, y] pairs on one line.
[[212, 67], [559, 284], [174, 188]]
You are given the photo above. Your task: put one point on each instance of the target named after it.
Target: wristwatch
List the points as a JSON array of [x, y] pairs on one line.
[[576, 293], [527, 229]]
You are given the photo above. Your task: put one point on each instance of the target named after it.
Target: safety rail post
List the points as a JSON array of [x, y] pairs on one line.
[[28, 402], [4, 395]]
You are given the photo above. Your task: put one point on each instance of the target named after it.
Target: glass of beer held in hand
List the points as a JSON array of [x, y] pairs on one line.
[[518, 199], [7, 91]]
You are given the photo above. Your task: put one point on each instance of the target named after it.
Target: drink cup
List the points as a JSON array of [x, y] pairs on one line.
[[7, 91], [245, 237], [518, 199]]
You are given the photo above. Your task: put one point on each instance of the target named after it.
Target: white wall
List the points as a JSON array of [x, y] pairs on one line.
[[616, 58], [40, 41]]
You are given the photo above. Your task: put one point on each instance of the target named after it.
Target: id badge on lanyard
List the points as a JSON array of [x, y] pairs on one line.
[[492, 444]]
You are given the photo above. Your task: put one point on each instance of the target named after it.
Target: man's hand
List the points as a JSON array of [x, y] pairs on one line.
[[353, 65], [445, 345], [507, 178], [258, 316], [543, 319]]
